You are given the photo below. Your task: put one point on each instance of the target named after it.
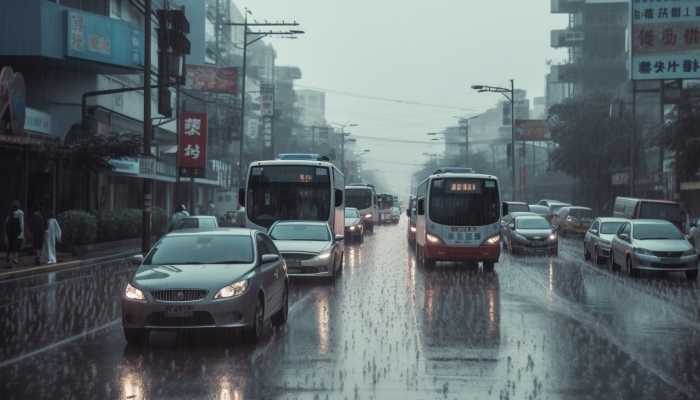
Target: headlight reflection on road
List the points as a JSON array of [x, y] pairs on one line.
[[550, 292], [132, 386], [227, 391], [323, 318]]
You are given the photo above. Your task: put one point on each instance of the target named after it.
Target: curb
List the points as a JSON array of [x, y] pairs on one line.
[[65, 265]]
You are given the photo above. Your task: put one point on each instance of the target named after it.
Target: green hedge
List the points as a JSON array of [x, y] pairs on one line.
[[77, 227], [126, 224]]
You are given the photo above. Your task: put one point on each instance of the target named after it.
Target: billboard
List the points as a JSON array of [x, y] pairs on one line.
[[531, 130], [212, 79], [103, 39], [192, 148], [665, 39]]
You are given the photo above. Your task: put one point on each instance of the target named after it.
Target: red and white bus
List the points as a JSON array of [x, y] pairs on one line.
[[458, 218]]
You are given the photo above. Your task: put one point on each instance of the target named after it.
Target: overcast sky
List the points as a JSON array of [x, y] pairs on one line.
[[420, 51]]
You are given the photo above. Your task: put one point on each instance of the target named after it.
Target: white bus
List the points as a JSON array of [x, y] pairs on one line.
[[284, 190], [364, 198], [458, 218]]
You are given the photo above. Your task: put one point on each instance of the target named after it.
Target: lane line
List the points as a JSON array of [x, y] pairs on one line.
[[58, 344]]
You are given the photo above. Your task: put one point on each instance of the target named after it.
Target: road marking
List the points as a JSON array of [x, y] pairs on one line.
[[58, 344]]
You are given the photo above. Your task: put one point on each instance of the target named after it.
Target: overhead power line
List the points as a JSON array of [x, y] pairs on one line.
[[387, 99], [423, 142]]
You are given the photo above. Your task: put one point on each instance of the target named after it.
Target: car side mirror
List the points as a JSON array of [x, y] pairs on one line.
[[594, 232], [269, 258], [624, 237], [511, 225], [241, 197], [136, 260], [339, 238]]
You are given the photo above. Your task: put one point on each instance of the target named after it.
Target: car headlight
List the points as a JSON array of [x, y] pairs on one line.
[[133, 293], [552, 236], [232, 290], [368, 216], [433, 239], [643, 252], [352, 228], [494, 239], [324, 255], [413, 229], [690, 252]]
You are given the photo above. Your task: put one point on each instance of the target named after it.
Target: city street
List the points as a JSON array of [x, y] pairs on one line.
[[388, 329]]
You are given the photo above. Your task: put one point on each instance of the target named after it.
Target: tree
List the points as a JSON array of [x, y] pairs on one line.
[[683, 137], [591, 145]]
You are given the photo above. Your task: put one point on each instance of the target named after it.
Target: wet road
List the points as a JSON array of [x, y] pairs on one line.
[[537, 328]]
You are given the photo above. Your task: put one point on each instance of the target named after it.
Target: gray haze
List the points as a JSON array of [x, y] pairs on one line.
[[425, 51]]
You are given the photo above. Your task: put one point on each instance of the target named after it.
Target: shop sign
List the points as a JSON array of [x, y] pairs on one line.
[[37, 121], [212, 79], [125, 166], [192, 149], [103, 39]]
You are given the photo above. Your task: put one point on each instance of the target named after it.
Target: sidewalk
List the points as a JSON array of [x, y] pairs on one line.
[[27, 261]]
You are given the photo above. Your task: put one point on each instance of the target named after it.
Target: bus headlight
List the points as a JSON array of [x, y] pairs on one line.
[[494, 239], [413, 229], [433, 239]]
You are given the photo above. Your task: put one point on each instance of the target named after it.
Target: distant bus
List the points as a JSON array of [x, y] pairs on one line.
[[283, 190], [458, 219], [363, 197], [384, 204], [631, 208]]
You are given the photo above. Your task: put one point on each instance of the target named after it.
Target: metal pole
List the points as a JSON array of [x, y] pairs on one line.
[[633, 139], [512, 135], [342, 149], [147, 131], [466, 144], [241, 144]]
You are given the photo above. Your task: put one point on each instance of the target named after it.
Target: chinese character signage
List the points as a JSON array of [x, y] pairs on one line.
[[531, 130], [212, 79], [267, 100], [103, 39], [192, 149], [665, 39]]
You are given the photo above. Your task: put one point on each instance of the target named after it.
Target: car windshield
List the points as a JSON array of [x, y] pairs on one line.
[[610, 228], [581, 213], [518, 208], [657, 232], [301, 232], [352, 213], [531, 223], [201, 249]]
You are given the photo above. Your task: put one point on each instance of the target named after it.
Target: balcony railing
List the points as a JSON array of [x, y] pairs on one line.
[[566, 38]]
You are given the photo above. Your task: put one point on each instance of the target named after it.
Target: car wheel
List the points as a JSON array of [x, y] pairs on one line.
[[489, 266], [255, 332], [631, 271], [280, 318], [611, 261], [596, 256], [135, 336], [340, 267], [586, 254], [428, 262], [361, 237], [691, 275]]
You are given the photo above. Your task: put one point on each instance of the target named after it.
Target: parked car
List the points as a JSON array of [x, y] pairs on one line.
[[222, 279], [598, 238], [632, 208], [572, 219], [197, 222], [395, 215], [532, 234], [539, 209], [354, 228], [507, 219], [655, 245], [309, 248], [514, 206]]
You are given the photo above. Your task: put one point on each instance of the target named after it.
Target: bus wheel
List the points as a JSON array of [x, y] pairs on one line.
[[489, 266]]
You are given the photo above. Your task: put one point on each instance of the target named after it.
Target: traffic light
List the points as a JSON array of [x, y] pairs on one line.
[[173, 45]]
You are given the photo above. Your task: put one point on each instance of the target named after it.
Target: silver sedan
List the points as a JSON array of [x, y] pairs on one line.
[[309, 248], [224, 279], [653, 245], [598, 238]]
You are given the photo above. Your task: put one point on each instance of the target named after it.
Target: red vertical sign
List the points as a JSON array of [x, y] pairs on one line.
[[192, 150]]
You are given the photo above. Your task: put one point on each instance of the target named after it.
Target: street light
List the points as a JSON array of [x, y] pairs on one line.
[[509, 94], [342, 141]]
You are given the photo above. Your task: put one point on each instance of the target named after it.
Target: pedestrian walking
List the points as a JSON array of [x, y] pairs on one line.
[[14, 232], [38, 229], [53, 235]]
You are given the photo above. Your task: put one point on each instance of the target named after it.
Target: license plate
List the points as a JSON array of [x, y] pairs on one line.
[[178, 311], [667, 260], [293, 263]]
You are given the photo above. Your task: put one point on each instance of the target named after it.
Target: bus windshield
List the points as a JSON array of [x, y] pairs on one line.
[[666, 211], [289, 192], [358, 198], [464, 202]]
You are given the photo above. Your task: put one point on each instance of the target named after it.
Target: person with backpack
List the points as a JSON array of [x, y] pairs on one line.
[[14, 232]]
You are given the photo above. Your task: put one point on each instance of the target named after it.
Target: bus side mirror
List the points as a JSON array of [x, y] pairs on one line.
[[338, 197], [408, 212], [241, 197]]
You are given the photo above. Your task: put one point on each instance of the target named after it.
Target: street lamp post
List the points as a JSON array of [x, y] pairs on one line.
[[342, 141], [509, 94]]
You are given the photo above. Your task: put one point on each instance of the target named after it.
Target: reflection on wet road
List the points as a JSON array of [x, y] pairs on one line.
[[388, 329]]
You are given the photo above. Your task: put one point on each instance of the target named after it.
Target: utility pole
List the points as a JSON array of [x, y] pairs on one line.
[[257, 35], [342, 142], [147, 131]]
